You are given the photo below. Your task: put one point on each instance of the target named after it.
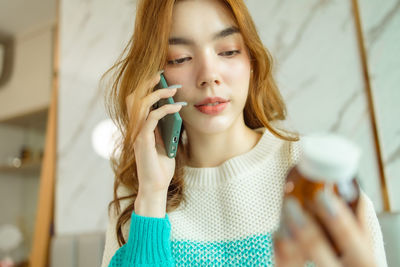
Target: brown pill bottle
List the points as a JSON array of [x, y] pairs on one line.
[[328, 162]]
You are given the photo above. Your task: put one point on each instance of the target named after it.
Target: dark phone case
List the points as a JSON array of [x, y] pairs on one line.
[[170, 125]]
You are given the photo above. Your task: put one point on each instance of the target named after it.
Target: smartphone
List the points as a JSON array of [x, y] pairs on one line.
[[170, 125]]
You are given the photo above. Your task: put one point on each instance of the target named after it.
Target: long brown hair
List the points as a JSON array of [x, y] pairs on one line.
[[144, 55]]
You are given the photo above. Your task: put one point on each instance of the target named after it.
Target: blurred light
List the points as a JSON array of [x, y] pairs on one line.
[[16, 162], [10, 237], [104, 138]]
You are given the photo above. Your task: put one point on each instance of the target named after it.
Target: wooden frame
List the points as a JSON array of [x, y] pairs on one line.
[[371, 108], [44, 223]]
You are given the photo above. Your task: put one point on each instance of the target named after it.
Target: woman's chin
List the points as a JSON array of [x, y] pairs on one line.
[[210, 126]]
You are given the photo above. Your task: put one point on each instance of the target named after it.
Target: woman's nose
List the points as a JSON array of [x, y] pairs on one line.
[[208, 75]]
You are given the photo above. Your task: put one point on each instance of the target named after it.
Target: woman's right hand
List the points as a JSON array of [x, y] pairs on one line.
[[301, 236], [154, 168]]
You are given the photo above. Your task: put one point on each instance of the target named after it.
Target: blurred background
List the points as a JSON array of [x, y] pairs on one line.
[[55, 178]]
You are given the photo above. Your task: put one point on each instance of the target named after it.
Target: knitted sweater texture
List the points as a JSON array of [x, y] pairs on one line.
[[229, 217]]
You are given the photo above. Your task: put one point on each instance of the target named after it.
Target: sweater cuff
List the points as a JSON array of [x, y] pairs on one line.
[[149, 240]]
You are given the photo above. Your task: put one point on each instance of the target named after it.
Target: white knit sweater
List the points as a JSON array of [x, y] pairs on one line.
[[232, 210]]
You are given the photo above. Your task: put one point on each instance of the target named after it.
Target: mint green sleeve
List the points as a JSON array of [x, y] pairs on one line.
[[148, 243]]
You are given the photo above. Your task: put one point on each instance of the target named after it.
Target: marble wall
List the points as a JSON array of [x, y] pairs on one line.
[[92, 34], [319, 72], [318, 69], [381, 24]]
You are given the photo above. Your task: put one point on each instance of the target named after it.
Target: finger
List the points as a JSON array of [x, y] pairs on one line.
[[151, 83], [154, 80], [363, 206], [155, 115], [286, 253], [362, 213], [339, 221], [308, 235], [159, 140], [156, 96], [148, 102]]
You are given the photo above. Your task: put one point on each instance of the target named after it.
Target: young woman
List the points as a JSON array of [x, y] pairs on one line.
[[219, 201]]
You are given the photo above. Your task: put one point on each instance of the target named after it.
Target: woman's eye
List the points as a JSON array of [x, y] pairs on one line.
[[178, 61], [229, 53]]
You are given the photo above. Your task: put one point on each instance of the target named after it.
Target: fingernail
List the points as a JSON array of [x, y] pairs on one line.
[[181, 103], [174, 86], [325, 197], [160, 71], [293, 211]]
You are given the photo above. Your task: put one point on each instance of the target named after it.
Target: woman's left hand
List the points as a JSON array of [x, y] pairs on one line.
[[301, 238]]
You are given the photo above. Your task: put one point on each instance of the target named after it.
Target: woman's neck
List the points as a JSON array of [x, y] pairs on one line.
[[211, 150]]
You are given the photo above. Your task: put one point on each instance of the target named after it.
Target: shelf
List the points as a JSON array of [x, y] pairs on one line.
[[31, 167], [36, 119]]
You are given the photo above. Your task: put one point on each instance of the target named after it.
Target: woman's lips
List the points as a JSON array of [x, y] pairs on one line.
[[212, 110]]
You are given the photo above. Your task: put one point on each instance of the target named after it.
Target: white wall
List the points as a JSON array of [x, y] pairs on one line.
[[92, 34]]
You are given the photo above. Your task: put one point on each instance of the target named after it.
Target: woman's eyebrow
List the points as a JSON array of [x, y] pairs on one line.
[[184, 41], [226, 32]]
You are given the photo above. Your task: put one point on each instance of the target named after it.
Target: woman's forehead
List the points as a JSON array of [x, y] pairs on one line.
[[200, 17]]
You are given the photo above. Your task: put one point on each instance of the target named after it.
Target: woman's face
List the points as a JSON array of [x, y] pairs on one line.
[[208, 57]]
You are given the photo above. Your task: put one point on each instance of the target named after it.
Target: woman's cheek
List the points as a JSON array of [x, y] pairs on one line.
[[176, 75], [179, 96], [182, 78], [240, 66]]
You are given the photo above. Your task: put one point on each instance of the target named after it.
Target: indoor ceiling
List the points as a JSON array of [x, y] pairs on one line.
[[17, 16]]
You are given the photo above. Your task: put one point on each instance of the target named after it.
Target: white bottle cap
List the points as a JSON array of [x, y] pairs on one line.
[[329, 157]]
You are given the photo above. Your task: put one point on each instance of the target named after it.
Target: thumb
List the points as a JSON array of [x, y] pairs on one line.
[[159, 140]]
